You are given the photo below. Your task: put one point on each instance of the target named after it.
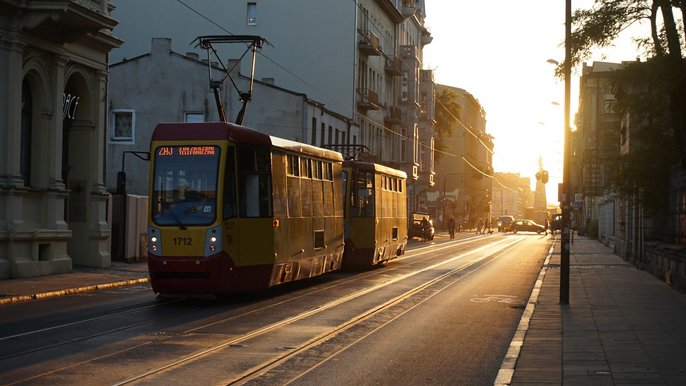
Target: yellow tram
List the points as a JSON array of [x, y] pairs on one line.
[[375, 213], [233, 209]]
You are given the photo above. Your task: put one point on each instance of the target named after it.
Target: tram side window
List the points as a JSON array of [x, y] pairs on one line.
[[254, 182], [230, 185], [344, 190], [365, 194]]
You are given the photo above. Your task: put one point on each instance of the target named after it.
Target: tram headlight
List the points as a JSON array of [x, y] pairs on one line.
[[213, 240], [154, 241]]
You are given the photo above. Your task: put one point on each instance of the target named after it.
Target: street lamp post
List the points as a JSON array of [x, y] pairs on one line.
[[566, 178]]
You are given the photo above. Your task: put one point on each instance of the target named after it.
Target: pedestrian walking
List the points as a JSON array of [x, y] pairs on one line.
[[451, 227], [546, 226]]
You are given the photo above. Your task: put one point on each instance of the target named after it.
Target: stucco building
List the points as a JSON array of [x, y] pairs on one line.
[[53, 82], [465, 170]]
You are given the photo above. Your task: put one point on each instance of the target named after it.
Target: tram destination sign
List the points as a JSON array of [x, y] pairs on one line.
[[164, 151]]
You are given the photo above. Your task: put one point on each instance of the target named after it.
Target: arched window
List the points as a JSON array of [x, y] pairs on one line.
[[26, 125]]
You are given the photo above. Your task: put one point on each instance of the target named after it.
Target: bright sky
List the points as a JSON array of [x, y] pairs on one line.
[[498, 51]]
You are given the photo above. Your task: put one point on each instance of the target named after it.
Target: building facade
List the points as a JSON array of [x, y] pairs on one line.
[[596, 143], [511, 194], [465, 170], [53, 82], [365, 64]]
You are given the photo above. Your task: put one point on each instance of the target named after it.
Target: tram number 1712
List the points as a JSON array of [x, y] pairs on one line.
[[183, 241]]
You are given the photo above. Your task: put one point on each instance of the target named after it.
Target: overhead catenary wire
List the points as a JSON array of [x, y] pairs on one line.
[[380, 125], [314, 87]]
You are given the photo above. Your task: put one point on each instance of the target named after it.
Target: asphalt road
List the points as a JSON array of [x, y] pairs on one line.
[[443, 314]]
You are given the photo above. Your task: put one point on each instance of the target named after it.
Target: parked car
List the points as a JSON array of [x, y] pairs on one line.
[[422, 226], [527, 226], [504, 223]]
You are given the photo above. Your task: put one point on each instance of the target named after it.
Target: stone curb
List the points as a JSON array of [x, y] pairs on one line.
[[71, 291]]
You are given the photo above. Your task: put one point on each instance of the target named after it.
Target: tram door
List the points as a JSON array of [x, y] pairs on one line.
[[230, 204]]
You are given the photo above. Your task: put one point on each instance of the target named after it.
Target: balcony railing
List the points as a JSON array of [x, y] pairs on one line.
[[393, 116], [409, 52], [409, 8], [370, 43], [368, 99], [394, 66], [99, 6]]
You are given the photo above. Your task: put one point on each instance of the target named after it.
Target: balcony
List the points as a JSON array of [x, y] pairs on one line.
[[67, 20], [393, 116], [370, 44], [426, 37], [409, 52], [394, 66], [409, 8], [368, 99]]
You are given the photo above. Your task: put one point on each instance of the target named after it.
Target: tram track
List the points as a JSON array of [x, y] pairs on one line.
[[422, 293], [51, 329], [160, 339], [332, 332]]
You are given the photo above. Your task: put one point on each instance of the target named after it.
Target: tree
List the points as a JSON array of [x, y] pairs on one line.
[[448, 112], [639, 89], [601, 25]]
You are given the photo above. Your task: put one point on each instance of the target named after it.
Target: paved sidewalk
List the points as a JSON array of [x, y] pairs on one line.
[[80, 280], [622, 326]]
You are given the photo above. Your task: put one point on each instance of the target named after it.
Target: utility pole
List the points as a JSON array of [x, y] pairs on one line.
[[567, 192]]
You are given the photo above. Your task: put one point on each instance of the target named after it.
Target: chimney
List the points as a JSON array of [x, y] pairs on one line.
[[234, 67], [160, 46]]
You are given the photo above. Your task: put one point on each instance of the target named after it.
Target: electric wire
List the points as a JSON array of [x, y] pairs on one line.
[[380, 125]]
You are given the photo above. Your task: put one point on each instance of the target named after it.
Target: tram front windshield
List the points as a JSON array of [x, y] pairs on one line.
[[184, 190]]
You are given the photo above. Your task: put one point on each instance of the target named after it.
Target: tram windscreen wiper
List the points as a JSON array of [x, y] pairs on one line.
[[170, 211]]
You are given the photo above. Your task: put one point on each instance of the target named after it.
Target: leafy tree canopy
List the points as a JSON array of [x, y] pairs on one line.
[[448, 112]]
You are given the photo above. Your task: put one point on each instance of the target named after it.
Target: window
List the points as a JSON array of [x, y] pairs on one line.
[[314, 131], [123, 125], [364, 195], [252, 13], [230, 185], [254, 181], [26, 124], [306, 167], [293, 162], [194, 117], [185, 185]]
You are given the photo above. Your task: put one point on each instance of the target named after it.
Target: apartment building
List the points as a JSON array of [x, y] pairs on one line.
[[466, 168], [596, 142], [511, 195]]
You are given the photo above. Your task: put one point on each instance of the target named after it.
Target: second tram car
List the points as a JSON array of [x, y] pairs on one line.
[[375, 213], [233, 209]]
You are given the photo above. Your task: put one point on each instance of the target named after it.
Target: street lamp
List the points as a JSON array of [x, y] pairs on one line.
[[566, 195]]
